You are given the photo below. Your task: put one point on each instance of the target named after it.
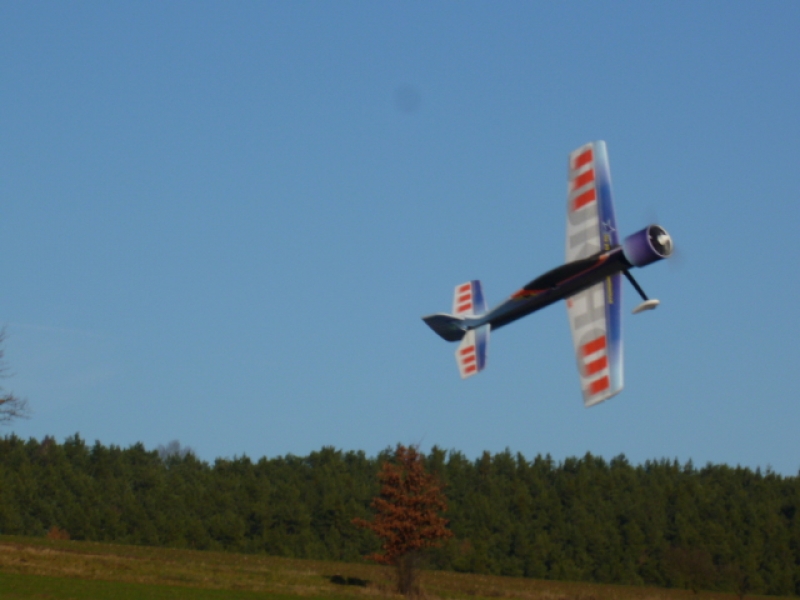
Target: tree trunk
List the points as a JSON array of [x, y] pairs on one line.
[[407, 574]]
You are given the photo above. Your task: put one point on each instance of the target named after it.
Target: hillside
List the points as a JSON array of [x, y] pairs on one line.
[[585, 519]]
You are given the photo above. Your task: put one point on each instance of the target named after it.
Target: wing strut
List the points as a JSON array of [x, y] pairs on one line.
[[647, 304]]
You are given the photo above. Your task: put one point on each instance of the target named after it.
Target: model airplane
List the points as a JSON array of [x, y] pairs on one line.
[[590, 281]]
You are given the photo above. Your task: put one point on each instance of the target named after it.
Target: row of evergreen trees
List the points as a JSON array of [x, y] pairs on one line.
[[585, 519]]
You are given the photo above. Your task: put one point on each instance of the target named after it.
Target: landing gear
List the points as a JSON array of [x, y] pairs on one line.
[[647, 303]]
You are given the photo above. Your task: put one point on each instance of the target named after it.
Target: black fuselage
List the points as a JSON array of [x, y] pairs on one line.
[[557, 284]]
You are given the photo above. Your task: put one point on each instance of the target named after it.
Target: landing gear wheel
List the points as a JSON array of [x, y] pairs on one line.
[[646, 305]]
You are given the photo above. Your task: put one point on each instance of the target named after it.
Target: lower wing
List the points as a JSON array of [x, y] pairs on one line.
[[595, 318]]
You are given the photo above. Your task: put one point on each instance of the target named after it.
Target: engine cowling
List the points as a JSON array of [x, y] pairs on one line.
[[647, 246]]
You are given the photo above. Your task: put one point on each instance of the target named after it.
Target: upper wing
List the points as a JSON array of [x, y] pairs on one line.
[[591, 224], [595, 314]]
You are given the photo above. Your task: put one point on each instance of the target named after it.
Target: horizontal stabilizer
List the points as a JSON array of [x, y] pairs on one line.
[[471, 352], [468, 305], [468, 299]]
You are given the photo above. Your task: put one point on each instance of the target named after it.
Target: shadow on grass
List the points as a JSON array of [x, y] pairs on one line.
[[341, 580]]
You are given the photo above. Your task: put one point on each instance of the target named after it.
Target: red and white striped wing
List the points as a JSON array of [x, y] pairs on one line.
[[592, 341], [595, 316], [583, 212]]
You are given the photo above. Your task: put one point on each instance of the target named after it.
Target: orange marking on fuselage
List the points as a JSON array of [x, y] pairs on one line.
[[525, 294]]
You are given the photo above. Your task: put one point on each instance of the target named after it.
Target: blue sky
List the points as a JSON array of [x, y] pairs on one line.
[[221, 222]]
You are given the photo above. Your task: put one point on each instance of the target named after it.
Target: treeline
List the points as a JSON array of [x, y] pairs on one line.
[[587, 519]]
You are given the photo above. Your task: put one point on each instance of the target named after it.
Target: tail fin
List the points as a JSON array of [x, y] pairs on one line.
[[468, 301]]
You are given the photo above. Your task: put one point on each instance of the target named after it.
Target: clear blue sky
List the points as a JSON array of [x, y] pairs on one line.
[[221, 222]]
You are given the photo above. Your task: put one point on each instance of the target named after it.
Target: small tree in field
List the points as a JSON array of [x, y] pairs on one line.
[[408, 518], [11, 406]]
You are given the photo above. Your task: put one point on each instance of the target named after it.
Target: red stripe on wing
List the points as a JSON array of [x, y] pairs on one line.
[[598, 386], [583, 199], [582, 179], [597, 365], [582, 159], [594, 346]]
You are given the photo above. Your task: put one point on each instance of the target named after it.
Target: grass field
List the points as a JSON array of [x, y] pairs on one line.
[[41, 569]]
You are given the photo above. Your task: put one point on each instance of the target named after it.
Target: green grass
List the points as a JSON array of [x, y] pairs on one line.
[[41, 569], [19, 587]]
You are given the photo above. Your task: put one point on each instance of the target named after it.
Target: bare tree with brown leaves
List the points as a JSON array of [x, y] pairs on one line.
[[408, 516], [11, 406]]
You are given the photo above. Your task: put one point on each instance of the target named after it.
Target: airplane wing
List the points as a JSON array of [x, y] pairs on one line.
[[591, 224], [595, 314]]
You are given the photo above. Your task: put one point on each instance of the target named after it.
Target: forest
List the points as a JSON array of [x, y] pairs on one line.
[[582, 519]]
